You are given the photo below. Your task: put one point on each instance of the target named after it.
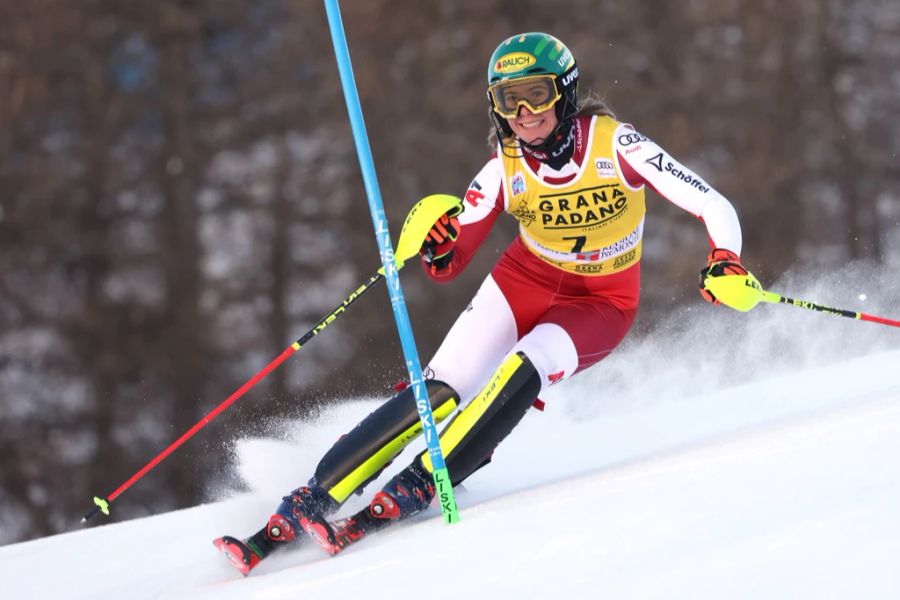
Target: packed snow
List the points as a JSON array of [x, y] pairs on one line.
[[725, 456]]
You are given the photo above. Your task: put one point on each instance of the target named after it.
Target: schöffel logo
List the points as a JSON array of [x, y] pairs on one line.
[[656, 161], [685, 176], [514, 62]]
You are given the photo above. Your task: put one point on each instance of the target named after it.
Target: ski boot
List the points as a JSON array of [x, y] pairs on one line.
[[408, 493], [281, 529]]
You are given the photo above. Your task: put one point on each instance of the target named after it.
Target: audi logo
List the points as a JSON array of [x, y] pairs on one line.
[[628, 139]]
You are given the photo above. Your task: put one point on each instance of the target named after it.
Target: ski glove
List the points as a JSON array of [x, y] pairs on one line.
[[719, 263], [437, 249]]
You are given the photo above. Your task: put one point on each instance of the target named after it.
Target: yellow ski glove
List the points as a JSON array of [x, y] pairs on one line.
[[726, 281]]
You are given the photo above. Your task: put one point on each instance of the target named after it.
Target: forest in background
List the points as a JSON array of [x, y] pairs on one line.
[[180, 198]]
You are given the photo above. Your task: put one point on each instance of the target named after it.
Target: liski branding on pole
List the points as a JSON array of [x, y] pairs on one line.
[[398, 303], [744, 292]]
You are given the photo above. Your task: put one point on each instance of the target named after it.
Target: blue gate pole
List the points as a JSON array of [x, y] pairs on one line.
[[385, 247]]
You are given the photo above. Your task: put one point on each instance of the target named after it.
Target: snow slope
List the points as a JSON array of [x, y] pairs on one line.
[[730, 456]]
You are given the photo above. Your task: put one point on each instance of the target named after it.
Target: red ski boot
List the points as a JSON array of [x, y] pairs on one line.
[[246, 554], [239, 553], [333, 536]]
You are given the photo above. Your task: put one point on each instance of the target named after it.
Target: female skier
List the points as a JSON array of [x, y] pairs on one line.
[[560, 299]]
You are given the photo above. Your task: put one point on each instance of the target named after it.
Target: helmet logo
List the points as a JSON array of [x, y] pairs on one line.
[[514, 62]]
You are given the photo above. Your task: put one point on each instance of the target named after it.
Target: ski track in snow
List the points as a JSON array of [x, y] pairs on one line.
[[729, 456]]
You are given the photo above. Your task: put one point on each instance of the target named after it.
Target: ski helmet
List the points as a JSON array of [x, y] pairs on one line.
[[532, 55]]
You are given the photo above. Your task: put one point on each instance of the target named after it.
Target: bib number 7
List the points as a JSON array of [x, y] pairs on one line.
[[579, 243]]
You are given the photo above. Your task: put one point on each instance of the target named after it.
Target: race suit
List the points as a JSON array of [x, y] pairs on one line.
[[565, 292]]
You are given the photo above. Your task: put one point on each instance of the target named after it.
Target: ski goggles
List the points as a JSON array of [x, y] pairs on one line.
[[537, 93]]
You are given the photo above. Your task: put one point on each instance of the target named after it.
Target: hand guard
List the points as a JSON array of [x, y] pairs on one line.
[[720, 263], [437, 249]]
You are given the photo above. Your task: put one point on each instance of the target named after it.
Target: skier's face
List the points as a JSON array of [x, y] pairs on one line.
[[533, 128]]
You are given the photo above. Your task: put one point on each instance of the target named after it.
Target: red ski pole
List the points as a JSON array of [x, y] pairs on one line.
[[102, 504], [744, 292], [416, 226], [840, 312]]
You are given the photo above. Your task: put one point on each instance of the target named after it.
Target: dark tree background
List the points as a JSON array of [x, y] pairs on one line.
[[180, 197]]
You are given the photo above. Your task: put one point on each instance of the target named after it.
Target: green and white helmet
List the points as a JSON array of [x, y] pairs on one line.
[[542, 62]]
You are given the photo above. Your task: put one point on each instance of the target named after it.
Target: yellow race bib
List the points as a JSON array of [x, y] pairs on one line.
[[592, 225]]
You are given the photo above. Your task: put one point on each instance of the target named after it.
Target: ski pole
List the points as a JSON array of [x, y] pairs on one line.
[[415, 228], [102, 504], [382, 235], [841, 312], [744, 292]]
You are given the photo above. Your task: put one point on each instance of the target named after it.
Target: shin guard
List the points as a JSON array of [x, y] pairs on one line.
[[361, 455], [470, 438]]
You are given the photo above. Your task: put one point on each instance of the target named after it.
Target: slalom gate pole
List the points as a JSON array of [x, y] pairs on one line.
[[383, 237], [102, 504]]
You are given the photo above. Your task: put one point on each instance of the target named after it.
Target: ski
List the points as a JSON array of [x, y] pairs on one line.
[[238, 553]]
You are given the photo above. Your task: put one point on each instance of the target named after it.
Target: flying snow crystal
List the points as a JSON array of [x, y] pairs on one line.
[[862, 297]]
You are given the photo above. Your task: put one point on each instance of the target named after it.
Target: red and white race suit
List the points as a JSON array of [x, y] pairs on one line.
[[565, 291]]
